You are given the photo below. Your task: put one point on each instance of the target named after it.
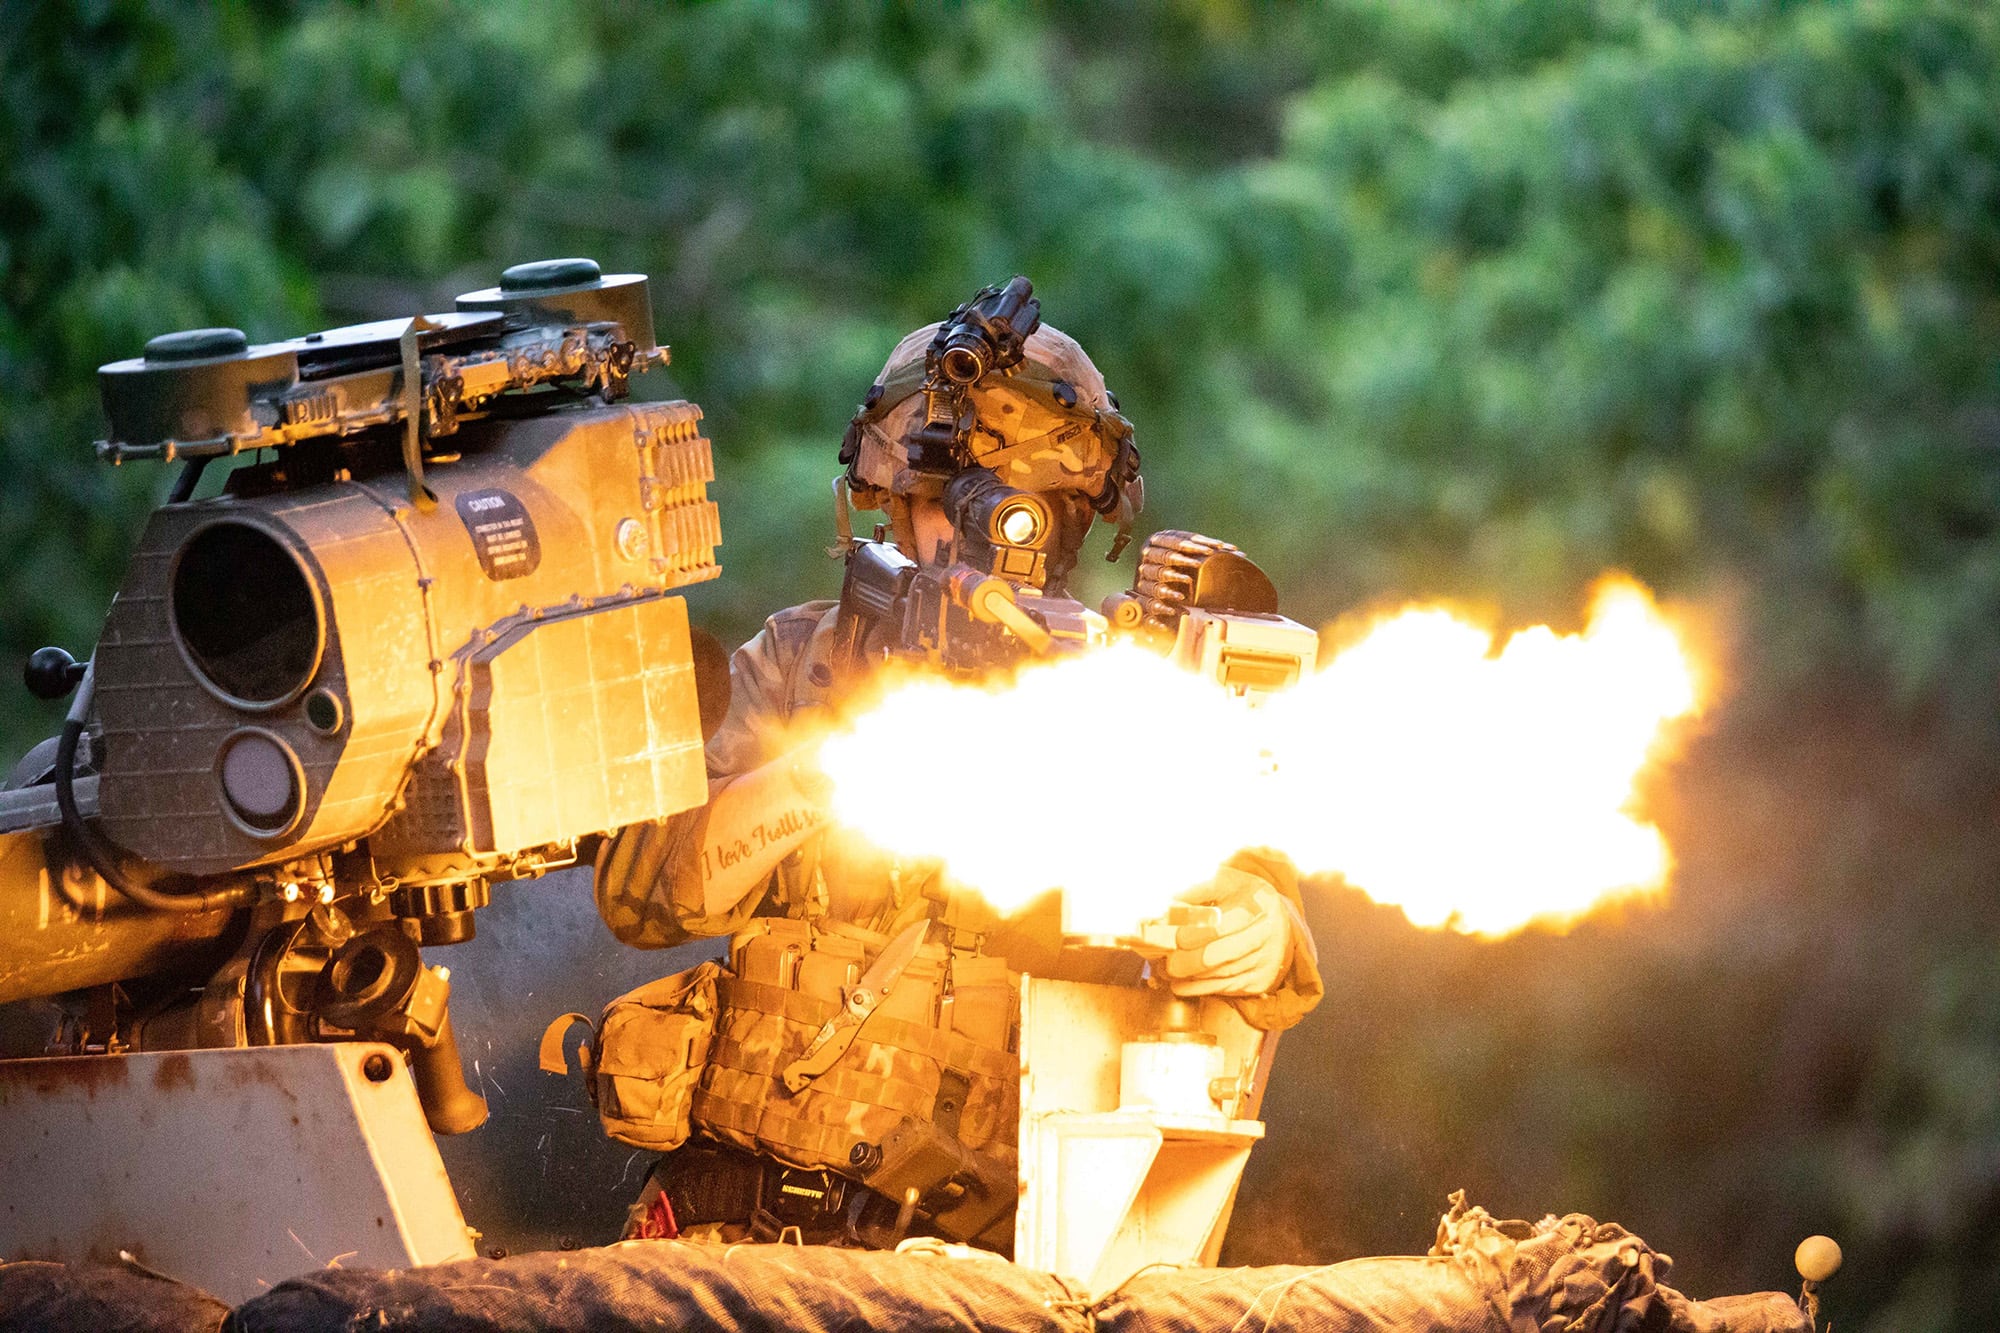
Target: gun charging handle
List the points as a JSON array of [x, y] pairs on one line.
[[377, 985], [991, 599]]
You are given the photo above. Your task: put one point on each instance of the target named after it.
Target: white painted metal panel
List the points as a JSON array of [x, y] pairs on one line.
[[229, 1169], [1108, 1190]]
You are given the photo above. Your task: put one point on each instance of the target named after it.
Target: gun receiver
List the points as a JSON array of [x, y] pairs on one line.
[[427, 641], [989, 605], [1200, 601], [955, 618], [1214, 611]]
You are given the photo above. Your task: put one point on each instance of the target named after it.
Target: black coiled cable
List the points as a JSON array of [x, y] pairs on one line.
[[98, 853]]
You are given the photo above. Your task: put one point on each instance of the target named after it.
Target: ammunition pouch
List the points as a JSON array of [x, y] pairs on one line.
[[647, 1056], [925, 1096], [963, 1191]]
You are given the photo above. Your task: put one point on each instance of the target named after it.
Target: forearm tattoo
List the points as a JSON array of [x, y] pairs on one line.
[[778, 830]]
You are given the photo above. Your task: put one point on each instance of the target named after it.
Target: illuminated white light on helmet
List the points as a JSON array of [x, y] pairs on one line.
[[1020, 524]]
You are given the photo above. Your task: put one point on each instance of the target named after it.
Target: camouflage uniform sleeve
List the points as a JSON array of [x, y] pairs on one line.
[[1300, 988], [648, 877]]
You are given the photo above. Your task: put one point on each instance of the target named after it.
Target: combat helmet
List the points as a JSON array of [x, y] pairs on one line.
[[992, 387]]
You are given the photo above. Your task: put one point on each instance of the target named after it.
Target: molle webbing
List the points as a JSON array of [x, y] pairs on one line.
[[890, 1072]]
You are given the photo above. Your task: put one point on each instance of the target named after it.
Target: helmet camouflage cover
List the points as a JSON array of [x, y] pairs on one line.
[[1047, 424]]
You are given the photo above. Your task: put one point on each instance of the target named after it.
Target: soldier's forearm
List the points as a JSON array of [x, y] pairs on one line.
[[754, 822]]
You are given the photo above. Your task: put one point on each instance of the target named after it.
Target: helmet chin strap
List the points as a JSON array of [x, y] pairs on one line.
[[902, 525], [1126, 515]]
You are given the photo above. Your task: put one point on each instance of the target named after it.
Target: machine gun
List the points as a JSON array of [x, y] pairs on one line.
[[1137, 1111], [988, 606], [423, 640]]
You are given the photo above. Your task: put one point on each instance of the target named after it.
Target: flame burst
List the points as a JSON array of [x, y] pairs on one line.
[[1478, 790]]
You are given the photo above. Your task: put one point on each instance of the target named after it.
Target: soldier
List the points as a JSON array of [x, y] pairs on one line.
[[784, 1134]]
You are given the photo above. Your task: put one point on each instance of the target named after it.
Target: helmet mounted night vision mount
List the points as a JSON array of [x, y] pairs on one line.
[[986, 334]]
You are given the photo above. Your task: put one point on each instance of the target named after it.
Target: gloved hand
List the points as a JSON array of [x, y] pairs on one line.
[[1248, 952], [808, 778]]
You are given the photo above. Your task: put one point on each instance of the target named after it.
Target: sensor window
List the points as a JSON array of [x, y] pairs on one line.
[[246, 615], [260, 781], [324, 712]]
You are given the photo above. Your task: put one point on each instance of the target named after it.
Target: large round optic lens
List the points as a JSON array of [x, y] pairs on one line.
[[246, 615], [962, 365], [260, 781], [1020, 524]]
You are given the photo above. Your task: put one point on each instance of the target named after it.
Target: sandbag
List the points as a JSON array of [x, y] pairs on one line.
[[1558, 1275], [649, 1285], [38, 1297]]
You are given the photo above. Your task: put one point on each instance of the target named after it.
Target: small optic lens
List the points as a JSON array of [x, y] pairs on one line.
[[323, 711], [258, 780], [1020, 525]]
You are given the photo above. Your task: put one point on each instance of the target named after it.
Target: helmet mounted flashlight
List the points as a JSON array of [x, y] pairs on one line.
[[1020, 520], [1001, 530]]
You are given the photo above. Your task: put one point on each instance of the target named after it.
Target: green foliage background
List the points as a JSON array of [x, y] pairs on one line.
[[1473, 299]]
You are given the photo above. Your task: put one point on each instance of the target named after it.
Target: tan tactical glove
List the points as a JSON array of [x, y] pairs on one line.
[[1249, 951]]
